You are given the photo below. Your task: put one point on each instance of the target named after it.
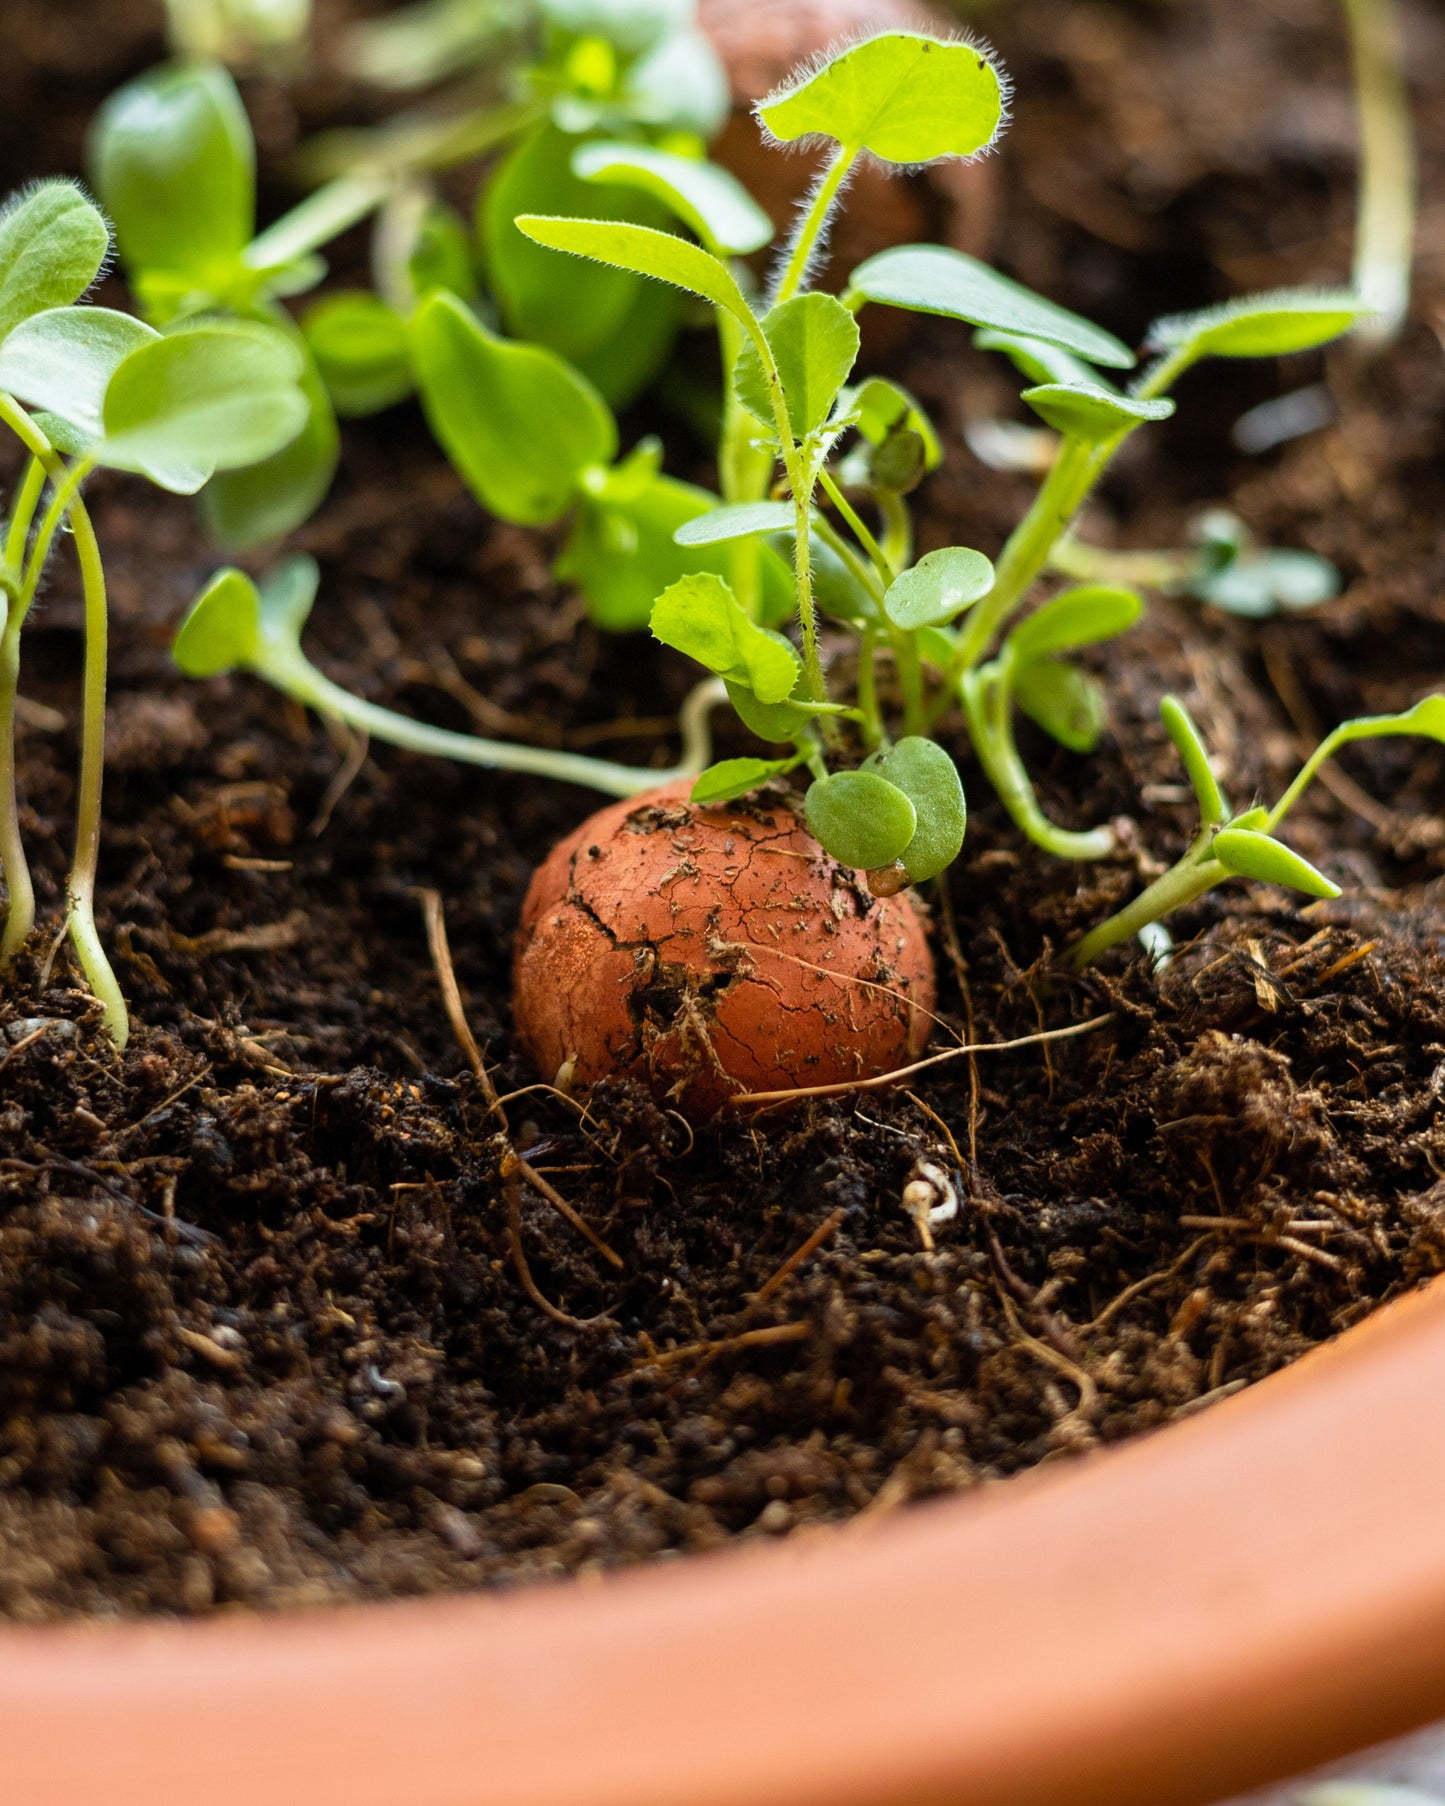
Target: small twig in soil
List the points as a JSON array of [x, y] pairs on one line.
[[1146, 1284], [545, 1189], [512, 1187], [357, 743], [441, 959], [19, 1046], [844, 1087], [803, 1252], [164, 1104], [748, 1338], [1060, 1337], [1088, 1404]]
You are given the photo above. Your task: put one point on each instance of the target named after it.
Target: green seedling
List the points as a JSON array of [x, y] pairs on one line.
[[1385, 202], [816, 464], [83, 387]]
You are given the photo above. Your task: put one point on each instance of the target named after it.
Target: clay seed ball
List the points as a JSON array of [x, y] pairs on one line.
[[713, 951]]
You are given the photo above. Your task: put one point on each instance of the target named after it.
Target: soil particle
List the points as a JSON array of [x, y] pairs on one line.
[[263, 1339]]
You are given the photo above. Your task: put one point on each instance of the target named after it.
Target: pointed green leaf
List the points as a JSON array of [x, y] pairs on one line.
[[732, 778], [740, 521], [515, 420], [52, 244], [1079, 617], [705, 197], [700, 616], [217, 396], [61, 360], [814, 341], [360, 348], [860, 818], [1088, 412], [1427, 718], [931, 279], [939, 587], [1039, 361], [1249, 854], [660, 255], [173, 161], [1193, 755], [1270, 325], [926, 775], [1067, 703], [222, 628], [905, 97]]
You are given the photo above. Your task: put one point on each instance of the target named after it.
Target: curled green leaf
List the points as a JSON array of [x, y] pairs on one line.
[[1091, 413], [739, 521], [1194, 756], [732, 778], [1275, 324], [1079, 617]]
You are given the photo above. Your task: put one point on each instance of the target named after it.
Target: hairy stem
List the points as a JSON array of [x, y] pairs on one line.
[[810, 226], [1385, 202], [1194, 874], [987, 710]]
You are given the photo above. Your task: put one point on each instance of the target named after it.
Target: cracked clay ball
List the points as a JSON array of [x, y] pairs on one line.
[[713, 951]]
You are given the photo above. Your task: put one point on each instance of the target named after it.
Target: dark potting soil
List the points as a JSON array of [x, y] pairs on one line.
[[273, 1328]]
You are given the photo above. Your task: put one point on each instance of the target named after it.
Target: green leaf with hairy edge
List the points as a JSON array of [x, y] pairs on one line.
[[222, 628], [1249, 854], [661, 255], [938, 588], [732, 778], [884, 408], [572, 311], [1270, 325], [700, 616], [1090, 413], [707, 199], [1251, 818], [217, 396], [931, 279], [1067, 703], [926, 775], [905, 97], [173, 161], [738, 521], [248, 507], [1079, 617], [623, 550], [518, 423], [62, 360], [1194, 756], [1427, 718], [860, 818], [52, 245], [360, 347], [814, 341], [1039, 361]]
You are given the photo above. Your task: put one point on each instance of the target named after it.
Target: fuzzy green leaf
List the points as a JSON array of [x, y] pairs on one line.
[[1194, 756], [660, 255], [700, 616], [62, 360], [518, 423], [739, 521], [1270, 325], [1249, 854], [1088, 412], [926, 775], [930, 279], [52, 244], [860, 818], [732, 778], [360, 348], [1067, 703], [1079, 617], [814, 341], [938, 588], [173, 161], [905, 97], [217, 396], [706, 198]]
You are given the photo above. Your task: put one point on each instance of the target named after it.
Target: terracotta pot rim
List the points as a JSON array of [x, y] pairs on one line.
[[1258, 1587]]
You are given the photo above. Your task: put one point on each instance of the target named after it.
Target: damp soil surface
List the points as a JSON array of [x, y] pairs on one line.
[[281, 1320]]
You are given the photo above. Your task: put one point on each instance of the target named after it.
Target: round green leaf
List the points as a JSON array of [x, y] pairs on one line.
[[52, 244], [860, 818], [732, 778], [814, 341], [931, 279], [706, 198], [939, 587], [263, 501], [1067, 703], [518, 423], [1089, 412], [905, 97], [62, 360], [1079, 617], [1249, 854], [926, 775], [222, 628], [216, 396], [360, 348], [173, 161], [1270, 325]]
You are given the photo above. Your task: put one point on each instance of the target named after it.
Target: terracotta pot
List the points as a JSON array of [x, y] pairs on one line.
[[1254, 1589]]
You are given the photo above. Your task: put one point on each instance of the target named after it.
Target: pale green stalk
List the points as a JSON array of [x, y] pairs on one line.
[[318, 219], [20, 887], [988, 711], [1194, 874], [1386, 196], [856, 526]]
